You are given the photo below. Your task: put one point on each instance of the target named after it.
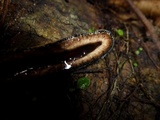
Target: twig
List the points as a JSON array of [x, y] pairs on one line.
[[149, 55], [146, 23]]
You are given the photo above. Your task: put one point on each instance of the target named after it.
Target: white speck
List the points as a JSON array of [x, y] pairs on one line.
[[23, 72], [30, 68], [48, 66], [84, 53], [72, 37], [67, 66]]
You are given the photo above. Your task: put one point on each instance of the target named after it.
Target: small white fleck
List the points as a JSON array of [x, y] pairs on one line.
[[31, 68], [72, 37], [23, 71], [67, 66]]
